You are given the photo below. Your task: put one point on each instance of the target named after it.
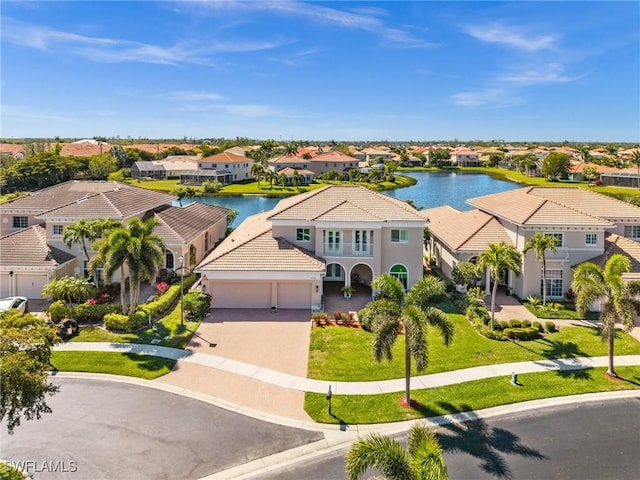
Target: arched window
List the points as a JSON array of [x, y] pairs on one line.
[[400, 272], [169, 259]]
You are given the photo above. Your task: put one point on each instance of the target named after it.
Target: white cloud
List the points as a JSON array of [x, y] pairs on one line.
[[490, 98], [119, 50], [511, 36], [191, 96], [551, 73]]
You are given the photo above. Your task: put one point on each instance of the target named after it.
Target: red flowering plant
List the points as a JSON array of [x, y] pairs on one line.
[[161, 287], [92, 301]]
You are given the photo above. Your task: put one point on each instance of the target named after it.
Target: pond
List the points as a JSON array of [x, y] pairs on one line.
[[433, 189]]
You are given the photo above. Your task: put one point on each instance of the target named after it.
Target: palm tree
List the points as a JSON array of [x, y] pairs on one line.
[[585, 153], [135, 247], [540, 243], [393, 307], [79, 232], [68, 289], [257, 171], [635, 160], [181, 193], [290, 149], [618, 298], [499, 258], [422, 460]]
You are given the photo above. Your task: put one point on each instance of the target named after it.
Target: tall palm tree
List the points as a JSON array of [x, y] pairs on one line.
[[257, 171], [393, 307], [540, 243], [79, 232], [585, 153], [499, 258], [136, 247], [617, 297], [422, 460], [181, 193], [635, 160]]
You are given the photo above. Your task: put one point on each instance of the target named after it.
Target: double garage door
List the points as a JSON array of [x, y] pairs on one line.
[[26, 285], [260, 294]]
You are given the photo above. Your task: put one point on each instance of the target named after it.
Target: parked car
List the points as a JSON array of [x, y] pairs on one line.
[[66, 328], [19, 303]]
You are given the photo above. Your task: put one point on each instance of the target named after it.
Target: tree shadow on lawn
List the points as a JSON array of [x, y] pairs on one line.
[[476, 438], [581, 374], [553, 349], [150, 363]]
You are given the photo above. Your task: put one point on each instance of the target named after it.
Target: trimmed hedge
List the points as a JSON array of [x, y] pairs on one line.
[[167, 299], [514, 323], [85, 313], [524, 333], [550, 326], [58, 311], [537, 326], [125, 323]]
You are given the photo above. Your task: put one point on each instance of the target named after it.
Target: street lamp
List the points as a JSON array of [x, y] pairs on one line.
[[181, 259], [329, 395]]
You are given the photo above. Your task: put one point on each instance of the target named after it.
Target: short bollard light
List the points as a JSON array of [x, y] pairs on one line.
[[514, 379], [329, 395]]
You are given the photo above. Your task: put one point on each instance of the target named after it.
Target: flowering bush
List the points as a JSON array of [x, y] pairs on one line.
[[161, 287], [92, 301]]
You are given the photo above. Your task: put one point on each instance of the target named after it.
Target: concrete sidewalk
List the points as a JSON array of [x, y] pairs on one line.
[[303, 384]]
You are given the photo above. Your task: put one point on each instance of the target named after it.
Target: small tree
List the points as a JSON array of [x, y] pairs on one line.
[[422, 460], [556, 165], [540, 243], [25, 352], [590, 173], [465, 273]]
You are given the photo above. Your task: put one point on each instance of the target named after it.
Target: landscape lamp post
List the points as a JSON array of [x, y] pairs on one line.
[[329, 395], [181, 259]]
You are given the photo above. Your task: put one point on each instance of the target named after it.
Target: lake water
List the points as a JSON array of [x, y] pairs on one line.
[[432, 190]]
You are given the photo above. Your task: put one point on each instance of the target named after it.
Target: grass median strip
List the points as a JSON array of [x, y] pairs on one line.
[[468, 396], [128, 364]]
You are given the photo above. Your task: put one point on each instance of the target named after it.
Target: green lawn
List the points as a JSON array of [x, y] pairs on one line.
[[129, 364], [179, 336], [464, 397], [562, 314], [344, 354]]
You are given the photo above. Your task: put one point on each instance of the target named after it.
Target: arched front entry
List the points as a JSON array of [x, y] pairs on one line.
[[361, 274], [334, 273]]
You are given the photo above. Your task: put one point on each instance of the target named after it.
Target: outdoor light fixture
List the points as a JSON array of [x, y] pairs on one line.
[[329, 395]]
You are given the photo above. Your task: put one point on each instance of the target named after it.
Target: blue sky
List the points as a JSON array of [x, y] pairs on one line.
[[516, 71]]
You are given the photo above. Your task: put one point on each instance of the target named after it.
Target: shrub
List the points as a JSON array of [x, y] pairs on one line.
[[87, 313], [491, 334], [366, 320], [598, 183], [125, 323], [503, 324], [528, 333], [348, 319], [477, 314], [526, 323], [161, 287], [197, 303], [58, 311], [550, 327], [534, 300], [514, 323], [537, 326], [337, 316]]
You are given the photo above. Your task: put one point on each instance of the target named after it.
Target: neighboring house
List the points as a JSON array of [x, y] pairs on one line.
[[305, 177], [289, 161], [40, 218], [171, 167], [581, 220], [238, 166], [283, 257], [377, 155], [318, 164], [464, 157]]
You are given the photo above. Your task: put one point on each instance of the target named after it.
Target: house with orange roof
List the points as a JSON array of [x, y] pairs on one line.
[[585, 224], [285, 258], [238, 166], [32, 251], [465, 157]]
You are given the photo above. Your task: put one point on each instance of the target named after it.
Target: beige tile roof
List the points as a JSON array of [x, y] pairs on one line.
[[183, 225], [590, 202], [85, 199], [333, 156], [251, 247], [616, 244], [28, 247], [539, 206], [226, 157], [315, 204], [471, 230]]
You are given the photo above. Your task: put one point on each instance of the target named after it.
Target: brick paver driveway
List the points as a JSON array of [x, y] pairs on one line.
[[275, 340]]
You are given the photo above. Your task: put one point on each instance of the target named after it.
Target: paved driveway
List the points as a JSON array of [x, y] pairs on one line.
[[275, 340], [109, 430]]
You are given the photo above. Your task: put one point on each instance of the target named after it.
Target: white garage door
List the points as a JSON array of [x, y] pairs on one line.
[[30, 286], [294, 295], [240, 295], [5, 286]]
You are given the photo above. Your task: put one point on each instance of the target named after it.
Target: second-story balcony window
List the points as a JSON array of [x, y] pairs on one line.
[[333, 241], [303, 235], [632, 231], [362, 240]]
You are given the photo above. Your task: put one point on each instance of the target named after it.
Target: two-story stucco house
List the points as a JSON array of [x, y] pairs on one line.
[[586, 224], [238, 166], [32, 250], [282, 258]]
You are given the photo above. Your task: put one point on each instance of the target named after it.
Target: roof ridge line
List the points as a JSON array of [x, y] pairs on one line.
[[582, 212], [157, 215]]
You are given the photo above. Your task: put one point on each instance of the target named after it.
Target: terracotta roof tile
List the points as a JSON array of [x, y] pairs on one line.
[[28, 247], [616, 244]]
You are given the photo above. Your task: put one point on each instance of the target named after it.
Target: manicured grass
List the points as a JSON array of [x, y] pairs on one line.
[[129, 364], [562, 314], [344, 354], [169, 326], [468, 396], [8, 472]]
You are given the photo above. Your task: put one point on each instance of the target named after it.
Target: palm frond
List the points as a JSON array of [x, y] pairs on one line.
[[380, 452], [416, 322], [386, 334], [388, 286]]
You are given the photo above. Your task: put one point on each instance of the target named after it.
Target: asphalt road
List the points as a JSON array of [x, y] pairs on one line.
[[599, 440], [108, 430]]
